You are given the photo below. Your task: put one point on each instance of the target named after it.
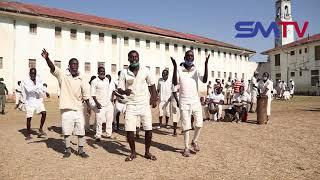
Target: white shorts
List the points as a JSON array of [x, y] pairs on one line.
[[186, 110], [136, 114], [120, 107], [164, 108], [175, 112], [31, 109], [72, 122]]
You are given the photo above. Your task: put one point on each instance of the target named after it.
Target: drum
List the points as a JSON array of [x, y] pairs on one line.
[[262, 102]]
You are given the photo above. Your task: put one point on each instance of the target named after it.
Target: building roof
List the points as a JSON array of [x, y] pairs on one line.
[[307, 40], [63, 15]]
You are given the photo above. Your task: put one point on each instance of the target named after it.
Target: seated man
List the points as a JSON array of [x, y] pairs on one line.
[[240, 102], [216, 100]]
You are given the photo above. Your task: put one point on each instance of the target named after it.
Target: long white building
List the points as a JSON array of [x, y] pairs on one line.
[[95, 41]]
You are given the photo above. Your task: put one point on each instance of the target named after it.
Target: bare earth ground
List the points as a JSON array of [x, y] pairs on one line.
[[287, 148]]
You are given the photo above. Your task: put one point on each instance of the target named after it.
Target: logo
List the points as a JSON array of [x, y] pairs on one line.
[[250, 29]]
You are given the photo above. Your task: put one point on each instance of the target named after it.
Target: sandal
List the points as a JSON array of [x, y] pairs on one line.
[[150, 156], [186, 153], [130, 157]]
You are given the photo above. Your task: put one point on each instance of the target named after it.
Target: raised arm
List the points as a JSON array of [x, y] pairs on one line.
[[174, 76], [205, 76], [45, 55]]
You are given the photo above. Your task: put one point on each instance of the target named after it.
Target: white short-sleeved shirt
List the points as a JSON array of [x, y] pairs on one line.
[[264, 85], [32, 93], [244, 97], [216, 98], [188, 81], [100, 89], [138, 85], [165, 89]]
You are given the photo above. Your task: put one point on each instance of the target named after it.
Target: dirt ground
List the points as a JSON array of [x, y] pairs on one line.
[[287, 148]]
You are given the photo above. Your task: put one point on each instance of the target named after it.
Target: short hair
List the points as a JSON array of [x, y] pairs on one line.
[[100, 67], [132, 51], [185, 54], [165, 70], [73, 59]]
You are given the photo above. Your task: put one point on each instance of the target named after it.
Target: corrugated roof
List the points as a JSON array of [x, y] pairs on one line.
[[37, 10], [303, 41]]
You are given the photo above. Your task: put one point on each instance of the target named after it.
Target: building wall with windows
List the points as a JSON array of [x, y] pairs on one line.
[[23, 37], [300, 63]]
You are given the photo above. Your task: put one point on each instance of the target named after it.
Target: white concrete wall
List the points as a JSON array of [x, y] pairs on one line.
[[20, 46]]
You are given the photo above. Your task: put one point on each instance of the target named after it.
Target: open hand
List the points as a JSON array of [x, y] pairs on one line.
[[45, 54]]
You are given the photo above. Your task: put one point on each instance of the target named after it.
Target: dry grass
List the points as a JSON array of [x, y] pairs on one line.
[[287, 148]]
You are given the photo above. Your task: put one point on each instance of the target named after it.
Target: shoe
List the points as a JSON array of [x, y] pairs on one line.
[[167, 126], [67, 153], [41, 134], [158, 127], [83, 155], [195, 146]]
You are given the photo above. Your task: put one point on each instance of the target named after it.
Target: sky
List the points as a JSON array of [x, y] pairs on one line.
[[210, 18]]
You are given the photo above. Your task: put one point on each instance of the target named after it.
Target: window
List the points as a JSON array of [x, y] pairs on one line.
[[240, 57], [57, 31], [191, 47], [219, 74], [137, 42], [305, 50], [235, 56], [158, 71], [292, 53], [278, 76], [242, 76], [73, 33], [300, 51], [87, 35], [212, 73], [230, 74], [300, 73], [199, 51], [113, 68], [125, 66], [101, 64], [32, 63], [292, 74], [224, 54], [33, 28], [57, 63], [167, 46], [212, 52], [175, 47], [218, 53], [206, 52], [157, 44], [114, 39], [277, 60], [184, 48], [224, 74], [317, 52], [148, 43], [101, 37], [1, 62], [235, 75], [126, 41], [314, 77], [87, 67], [230, 55]]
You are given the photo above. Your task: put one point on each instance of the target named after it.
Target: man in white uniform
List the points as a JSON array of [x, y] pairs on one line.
[[120, 104], [242, 99], [104, 109], [135, 82], [291, 87], [187, 76], [32, 94], [164, 91], [18, 96], [74, 89], [228, 87], [265, 87], [216, 100], [254, 92]]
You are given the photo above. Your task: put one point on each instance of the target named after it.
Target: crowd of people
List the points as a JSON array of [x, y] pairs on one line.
[[133, 94]]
